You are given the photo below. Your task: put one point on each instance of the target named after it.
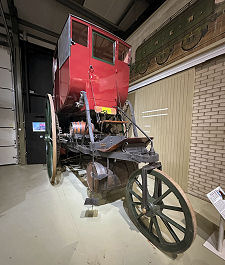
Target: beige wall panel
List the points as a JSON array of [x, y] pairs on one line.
[[170, 126]]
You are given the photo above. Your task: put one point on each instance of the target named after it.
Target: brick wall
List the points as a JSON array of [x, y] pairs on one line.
[[207, 153]]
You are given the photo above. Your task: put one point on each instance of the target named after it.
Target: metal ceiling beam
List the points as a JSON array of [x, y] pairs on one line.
[[153, 6], [80, 2], [30, 35], [38, 28], [128, 8], [41, 39], [34, 26], [91, 15], [4, 41], [6, 26]]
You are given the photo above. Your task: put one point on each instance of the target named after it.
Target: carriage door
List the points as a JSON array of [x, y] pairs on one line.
[[102, 71]]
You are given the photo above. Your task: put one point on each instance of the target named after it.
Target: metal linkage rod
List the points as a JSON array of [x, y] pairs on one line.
[[88, 116], [133, 118], [152, 151]]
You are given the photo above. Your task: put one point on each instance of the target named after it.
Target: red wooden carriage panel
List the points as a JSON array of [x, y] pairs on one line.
[[93, 60]]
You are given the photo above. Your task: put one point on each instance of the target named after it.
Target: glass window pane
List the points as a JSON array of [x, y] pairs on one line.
[[124, 54], [79, 33], [103, 48]]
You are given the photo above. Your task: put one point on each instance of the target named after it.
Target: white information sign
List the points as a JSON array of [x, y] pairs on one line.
[[217, 198]]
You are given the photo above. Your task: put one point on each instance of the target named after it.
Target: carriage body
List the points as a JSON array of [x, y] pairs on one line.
[[90, 117], [93, 60]]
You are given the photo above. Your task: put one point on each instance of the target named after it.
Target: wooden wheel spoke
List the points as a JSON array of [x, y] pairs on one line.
[[150, 226], [136, 195], [173, 208], [162, 196], [141, 187], [180, 234], [169, 220], [155, 222], [140, 215], [170, 229], [139, 184], [136, 203], [157, 188]]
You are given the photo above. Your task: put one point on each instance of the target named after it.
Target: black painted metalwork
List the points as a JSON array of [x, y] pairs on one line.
[[105, 151], [88, 117], [152, 151], [133, 119]]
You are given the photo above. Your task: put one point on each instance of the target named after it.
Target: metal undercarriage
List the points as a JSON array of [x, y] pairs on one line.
[[114, 159]]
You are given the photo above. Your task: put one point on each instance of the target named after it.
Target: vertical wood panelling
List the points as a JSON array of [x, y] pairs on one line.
[[172, 131]]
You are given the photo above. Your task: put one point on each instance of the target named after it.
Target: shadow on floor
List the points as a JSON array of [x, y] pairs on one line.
[[205, 226], [17, 181], [113, 197]]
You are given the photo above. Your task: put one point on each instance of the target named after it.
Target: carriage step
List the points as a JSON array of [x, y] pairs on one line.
[[91, 201]]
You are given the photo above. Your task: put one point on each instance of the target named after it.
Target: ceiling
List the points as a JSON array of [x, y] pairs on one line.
[[120, 17], [45, 18]]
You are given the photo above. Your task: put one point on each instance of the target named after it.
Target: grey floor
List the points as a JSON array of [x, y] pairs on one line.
[[45, 225]]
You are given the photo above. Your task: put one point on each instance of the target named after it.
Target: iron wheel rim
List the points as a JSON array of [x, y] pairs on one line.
[[156, 212], [50, 139]]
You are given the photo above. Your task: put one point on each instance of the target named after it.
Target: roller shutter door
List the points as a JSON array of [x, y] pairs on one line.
[[8, 144]]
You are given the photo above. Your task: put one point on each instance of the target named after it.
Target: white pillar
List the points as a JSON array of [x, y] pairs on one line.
[[221, 234]]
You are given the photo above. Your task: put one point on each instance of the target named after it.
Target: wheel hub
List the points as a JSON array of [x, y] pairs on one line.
[[152, 209]]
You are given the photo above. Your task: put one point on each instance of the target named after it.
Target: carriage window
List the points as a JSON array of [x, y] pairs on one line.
[[103, 48], [79, 33], [124, 54]]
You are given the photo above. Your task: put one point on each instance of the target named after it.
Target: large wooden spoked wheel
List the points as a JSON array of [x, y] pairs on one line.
[[169, 220], [50, 139]]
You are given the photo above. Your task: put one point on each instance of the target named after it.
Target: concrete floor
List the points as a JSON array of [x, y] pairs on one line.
[[45, 225]]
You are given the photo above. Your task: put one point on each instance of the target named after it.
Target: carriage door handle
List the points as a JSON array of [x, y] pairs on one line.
[[91, 69]]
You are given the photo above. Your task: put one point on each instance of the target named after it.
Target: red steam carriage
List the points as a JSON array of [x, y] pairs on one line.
[[90, 115]]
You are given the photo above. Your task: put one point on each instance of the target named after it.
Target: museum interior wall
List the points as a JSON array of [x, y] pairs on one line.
[[207, 156], [187, 109], [163, 111]]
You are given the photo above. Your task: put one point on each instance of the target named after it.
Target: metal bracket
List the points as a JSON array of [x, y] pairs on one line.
[[146, 169]]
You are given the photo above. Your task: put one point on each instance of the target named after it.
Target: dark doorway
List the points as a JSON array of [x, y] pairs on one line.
[[37, 82]]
